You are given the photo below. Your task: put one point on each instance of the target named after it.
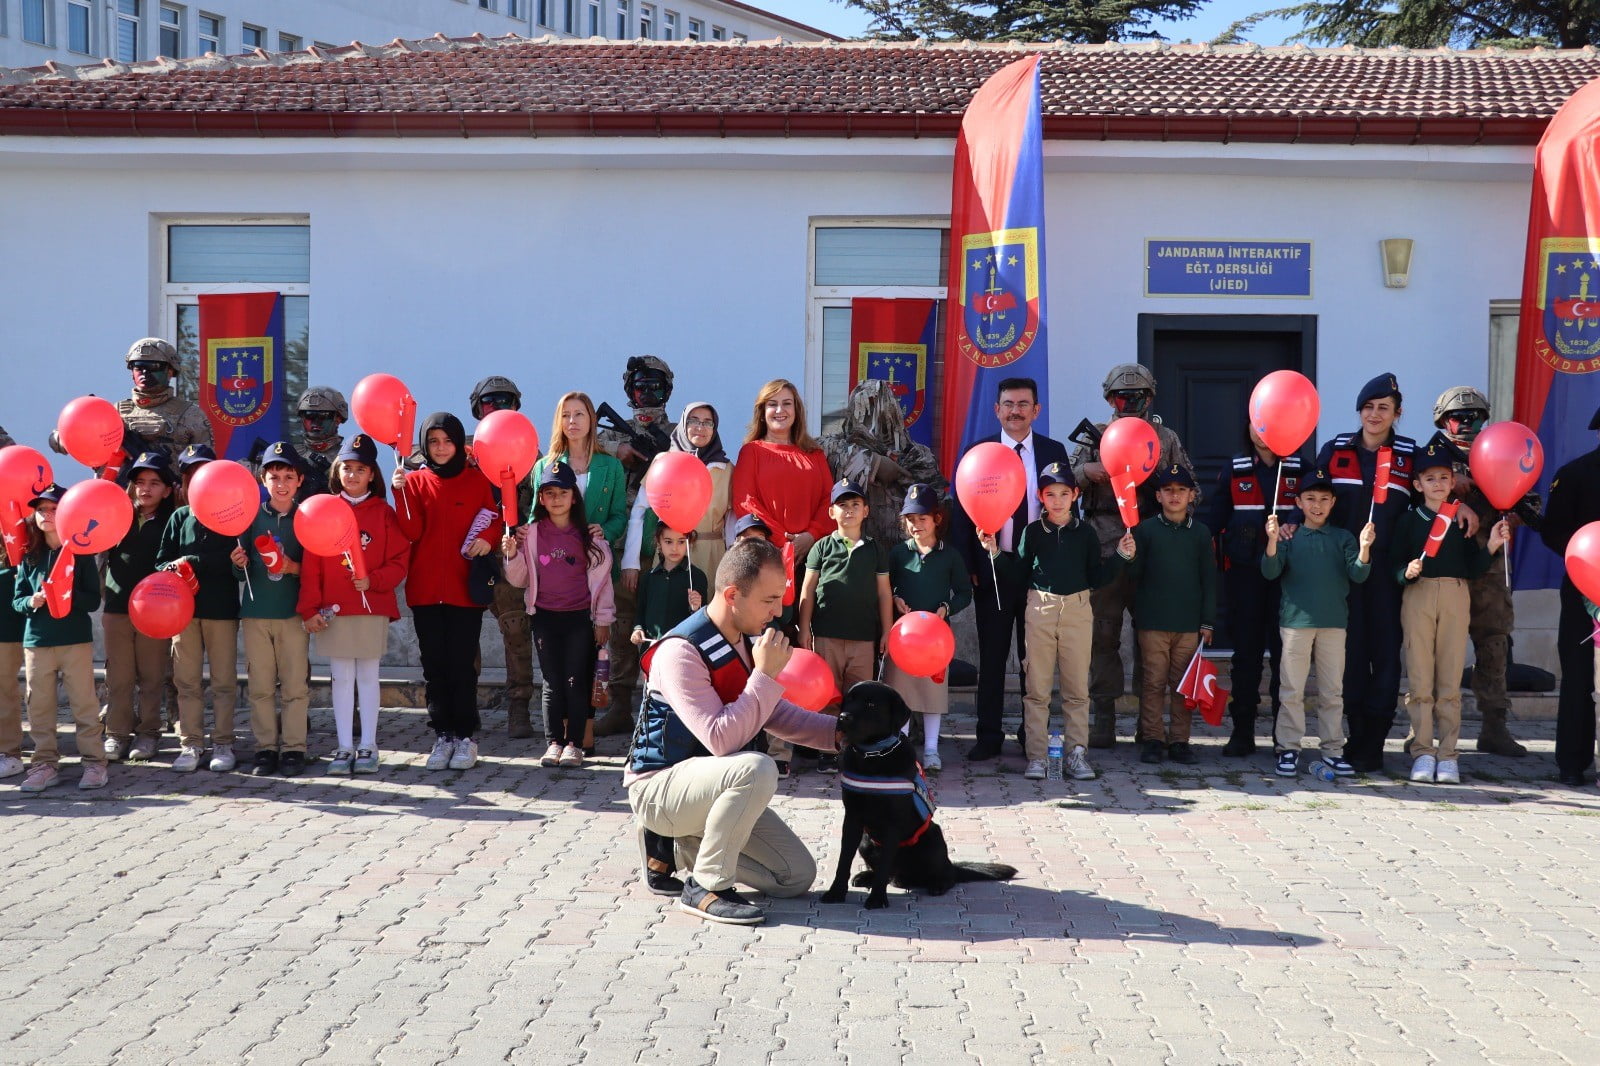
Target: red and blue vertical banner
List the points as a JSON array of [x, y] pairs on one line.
[[996, 281], [893, 340], [241, 368], [1558, 337]]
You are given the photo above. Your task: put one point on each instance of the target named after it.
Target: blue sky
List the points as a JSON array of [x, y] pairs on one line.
[[1212, 19]]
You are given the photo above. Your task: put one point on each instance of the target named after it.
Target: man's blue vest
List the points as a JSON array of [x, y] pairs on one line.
[[660, 739]]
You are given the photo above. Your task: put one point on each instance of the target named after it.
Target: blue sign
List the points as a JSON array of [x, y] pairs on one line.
[[1214, 267]]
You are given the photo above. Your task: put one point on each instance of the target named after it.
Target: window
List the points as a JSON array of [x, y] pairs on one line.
[[543, 17], [33, 21], [239, 256], [865, 257], [569, 17], [210, 34], [594, 19], [78, 27], [514, 8], [623, 20], [127, 31], [697, 29], [669, 26], [647, 21], [252, 36], [487, 5], [288, 42], [1504, 316], [171, 32], [741, 36], [718, 33]]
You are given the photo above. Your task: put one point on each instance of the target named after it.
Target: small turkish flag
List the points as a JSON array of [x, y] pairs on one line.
[[1441, 525], [15, 529], [1126, 488], [1199, 689], [1380, 477], [788, 572], [58, 586]]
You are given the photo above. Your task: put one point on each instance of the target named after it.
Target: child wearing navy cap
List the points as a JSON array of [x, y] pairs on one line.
[[135, 662]]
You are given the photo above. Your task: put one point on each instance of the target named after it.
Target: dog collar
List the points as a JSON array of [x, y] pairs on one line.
[[882, 747]]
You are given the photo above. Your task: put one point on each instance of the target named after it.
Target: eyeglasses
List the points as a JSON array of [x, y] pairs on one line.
[[500, 401], [1469, 417], [148, 366], [699, 423], [1015, 405]]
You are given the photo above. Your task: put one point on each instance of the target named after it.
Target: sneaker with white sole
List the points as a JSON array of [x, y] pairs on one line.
[[143, 750], [552, 755], [1288, 764], [40, 777], [222, 758], [95, 775], [466, 755], [366, 761], [116, 749], [931, 762], [444, 748], [1339, 765], [1448, 772], [1422, 769], [1037, 770], [11, 766], [341, 762], [1078, 767], [571, 756], [188, 760]]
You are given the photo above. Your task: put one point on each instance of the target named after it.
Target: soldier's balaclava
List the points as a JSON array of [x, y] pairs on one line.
[[152, 382], [648, 383]]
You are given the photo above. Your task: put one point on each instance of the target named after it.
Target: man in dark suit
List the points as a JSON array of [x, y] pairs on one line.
[[999, 617], [1574, 503]]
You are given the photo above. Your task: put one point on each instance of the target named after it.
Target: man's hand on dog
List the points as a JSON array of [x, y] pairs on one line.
[[770, 652]]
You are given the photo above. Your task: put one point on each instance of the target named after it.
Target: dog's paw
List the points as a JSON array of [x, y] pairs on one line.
[[876, 901], [834, 895], [862, 879]]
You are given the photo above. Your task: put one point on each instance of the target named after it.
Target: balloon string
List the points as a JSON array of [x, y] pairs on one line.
[[1277, 486], [352, 563], [1507, 550], [247, 586], [995, 575]]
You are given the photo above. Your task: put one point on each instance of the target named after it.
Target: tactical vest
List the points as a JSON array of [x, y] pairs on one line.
[[660, 739], [1244, 536], [898, 785]]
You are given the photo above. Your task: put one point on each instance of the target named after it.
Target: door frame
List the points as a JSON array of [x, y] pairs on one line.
[[1304, 325]]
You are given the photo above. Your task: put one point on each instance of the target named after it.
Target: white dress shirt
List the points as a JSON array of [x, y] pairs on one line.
[[1030, 470]]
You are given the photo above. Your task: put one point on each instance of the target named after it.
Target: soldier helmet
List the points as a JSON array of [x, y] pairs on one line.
[[646, 362], [1126, 376], [1459, 398], [322, 398], [493, 383], [152, 350]]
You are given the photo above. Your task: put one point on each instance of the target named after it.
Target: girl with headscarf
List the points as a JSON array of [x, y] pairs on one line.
[[698, 433], [449, 514]]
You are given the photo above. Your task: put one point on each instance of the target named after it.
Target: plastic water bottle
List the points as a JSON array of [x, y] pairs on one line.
[[328, 612], [1323, 772], [1056, 748], [600, 696]]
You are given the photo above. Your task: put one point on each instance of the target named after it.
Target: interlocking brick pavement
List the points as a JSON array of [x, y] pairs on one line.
[[1172, 915]]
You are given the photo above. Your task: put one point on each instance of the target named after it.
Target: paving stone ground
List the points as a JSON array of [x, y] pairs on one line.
[[1210, 914]]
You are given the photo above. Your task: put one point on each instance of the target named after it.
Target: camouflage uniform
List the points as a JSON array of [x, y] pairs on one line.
[[321, 450], [875, 428], [649, 417], [159, 419], [1110, 603], [5, 438]]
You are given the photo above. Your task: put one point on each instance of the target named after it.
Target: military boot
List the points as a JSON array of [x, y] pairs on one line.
[[1494, 739], [1243, 740], [618, 718], [518, 726], [1103, 725]]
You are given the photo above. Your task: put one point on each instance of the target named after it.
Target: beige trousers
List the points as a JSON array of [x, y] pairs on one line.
[[1434, 615], [213, 640], [1165, 657], [75, 665], [1303, 648], [10, 699], [716, 811], [1060, 639], [276, 653], [135, 663]]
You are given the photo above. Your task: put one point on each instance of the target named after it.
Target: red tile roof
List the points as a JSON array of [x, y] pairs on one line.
[[516, 87]]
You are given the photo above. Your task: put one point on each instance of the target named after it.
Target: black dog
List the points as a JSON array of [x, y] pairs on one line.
[[887, 807]]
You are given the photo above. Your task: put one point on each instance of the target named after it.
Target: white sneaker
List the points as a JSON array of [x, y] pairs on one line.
[[222, 758], [466, 755], [1448, 772], [572, 756], [188, 760], [1422, 768], [1078, 767], [1037, 770], [551, 756], [115, 749], [443, 752], [11, 766], [931, 762], [143, 750]]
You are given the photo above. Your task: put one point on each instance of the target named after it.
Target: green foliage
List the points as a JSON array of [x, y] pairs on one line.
[[1436, 23], [1088, 21]]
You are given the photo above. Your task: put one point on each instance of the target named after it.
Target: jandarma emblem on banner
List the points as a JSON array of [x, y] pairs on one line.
[[999, 295], [238, 381], [1569, 305]]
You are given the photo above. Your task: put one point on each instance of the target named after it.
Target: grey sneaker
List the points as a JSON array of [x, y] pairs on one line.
[[725, 906], [366, 761], [143, 750], [1078, 767], [115, 748], [40, 777], [222, 758], [11, 766], [1422, 768], [341, 762], [1448, 772], [188, 760], [466, 755], [95, 775], [1037, 770], [444, 748], [931, 762]]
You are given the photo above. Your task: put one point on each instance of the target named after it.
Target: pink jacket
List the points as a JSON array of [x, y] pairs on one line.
[[602, 602]]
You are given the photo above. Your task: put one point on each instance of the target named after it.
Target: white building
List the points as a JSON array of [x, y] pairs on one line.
[[34, 32]]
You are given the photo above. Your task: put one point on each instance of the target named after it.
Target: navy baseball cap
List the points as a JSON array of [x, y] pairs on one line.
[[920, 499], [1176, 474], [51, 493], [358, 449], [558, 475], [194, 454], [156, 461], [282, 453], [1318, 479], [1439, 451], [844, 488], [1057, 474], [751, 521]]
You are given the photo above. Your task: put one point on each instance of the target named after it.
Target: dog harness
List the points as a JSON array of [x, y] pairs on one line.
[[896, 785]]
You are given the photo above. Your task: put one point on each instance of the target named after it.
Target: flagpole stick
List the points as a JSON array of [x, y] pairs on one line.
[[399, 465], [352, 563], [1507, 550], [247, 586], [993, 574], [1277, 486]]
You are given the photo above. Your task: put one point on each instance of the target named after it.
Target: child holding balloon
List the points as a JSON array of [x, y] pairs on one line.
[[12, 624], [135, 662], [672, 590], [354, 638], [58, 647]]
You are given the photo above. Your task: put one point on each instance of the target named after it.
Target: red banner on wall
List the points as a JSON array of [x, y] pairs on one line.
[[241, 369], [893, 341]]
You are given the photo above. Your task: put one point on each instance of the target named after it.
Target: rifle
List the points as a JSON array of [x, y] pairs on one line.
[[1085, 435], [649, 443]]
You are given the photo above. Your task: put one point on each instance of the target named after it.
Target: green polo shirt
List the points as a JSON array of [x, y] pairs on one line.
[[847, 587], [209, 553], [1315, 569], [1459, 555], [926, 581], [43, 630], [1063, 559], [264, 597], [1175, 576], [134, 559], [664, 597]]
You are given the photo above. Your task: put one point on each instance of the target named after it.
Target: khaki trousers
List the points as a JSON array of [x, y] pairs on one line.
[[276, 653], [10, 699], [1060, 637], [213, 640], [1434, 616], [850, 661], [716, 811], [75, 665], [1165, 656], [134, 663], [1303, 648]]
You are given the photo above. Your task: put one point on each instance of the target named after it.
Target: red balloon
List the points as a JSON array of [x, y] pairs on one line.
[[385, 410], [326, 525], [806, 680], [24, 473], [990, 483], [1583, 560], [922, 644], [678, 488], [161, 605], [1130, 443], [505, 442], [93, 517], [90, 430], [224, 497], [1284, 409], [1505, 461]]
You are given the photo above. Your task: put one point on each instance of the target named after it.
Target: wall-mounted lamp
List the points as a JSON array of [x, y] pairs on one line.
[[1396, 261]]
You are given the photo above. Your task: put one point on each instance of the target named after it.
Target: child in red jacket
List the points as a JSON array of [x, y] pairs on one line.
[[448, 512], [354, 631]]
